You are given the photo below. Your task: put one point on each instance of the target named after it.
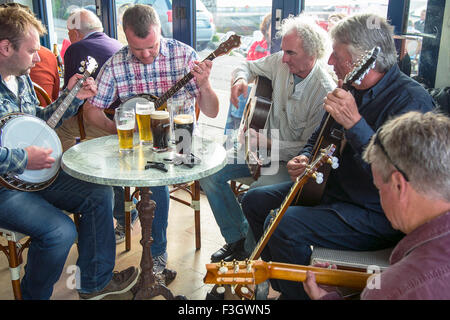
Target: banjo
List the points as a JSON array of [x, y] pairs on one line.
[[20, 130], [234, 41]]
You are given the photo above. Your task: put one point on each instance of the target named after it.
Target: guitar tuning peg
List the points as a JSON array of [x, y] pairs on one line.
[[244, 290], [220, 290], [318, 176], [223, 270], [83, 63], [335, 163], [81, 69]]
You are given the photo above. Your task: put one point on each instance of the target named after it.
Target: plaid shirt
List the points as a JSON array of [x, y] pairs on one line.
[[124, 76], [15, 160]]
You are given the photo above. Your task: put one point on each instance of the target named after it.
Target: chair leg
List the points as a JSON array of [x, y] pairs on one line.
[[14, 268], [196, 206]]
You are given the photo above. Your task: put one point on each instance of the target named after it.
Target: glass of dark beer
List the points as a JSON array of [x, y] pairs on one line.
[[183, 125], [160, 126]]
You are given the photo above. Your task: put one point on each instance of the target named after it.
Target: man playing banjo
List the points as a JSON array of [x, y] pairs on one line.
[[39, 214]]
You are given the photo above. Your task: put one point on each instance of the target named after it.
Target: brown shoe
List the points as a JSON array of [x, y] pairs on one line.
[[120, 283]]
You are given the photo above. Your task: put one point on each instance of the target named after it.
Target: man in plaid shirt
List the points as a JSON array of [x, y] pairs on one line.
[[150, 64], [39, 214]]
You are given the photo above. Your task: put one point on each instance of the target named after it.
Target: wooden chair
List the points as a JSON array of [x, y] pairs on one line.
[[192, 188], [17, 243], [13, 251], [42, 95]]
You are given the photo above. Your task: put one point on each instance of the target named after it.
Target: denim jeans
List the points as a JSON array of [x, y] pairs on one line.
[[52, 232], [159, 226], [332, 224], [224, 204]]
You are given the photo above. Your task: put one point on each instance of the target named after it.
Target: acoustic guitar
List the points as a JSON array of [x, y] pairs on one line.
[[331, 132], [255, 116], [251, 272]]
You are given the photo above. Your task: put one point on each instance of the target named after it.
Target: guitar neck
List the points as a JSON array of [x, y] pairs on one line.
[[59, 112], [332, 277], [179, 85], [276, 217]]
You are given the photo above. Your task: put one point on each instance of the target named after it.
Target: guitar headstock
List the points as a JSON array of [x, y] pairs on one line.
[[88, 66], [325, 156], [234, 41], [362, 67], [237, 272]]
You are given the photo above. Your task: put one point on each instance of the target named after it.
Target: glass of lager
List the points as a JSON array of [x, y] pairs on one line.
[[160, 125], [183, 125], [143, 111], [125, 121]]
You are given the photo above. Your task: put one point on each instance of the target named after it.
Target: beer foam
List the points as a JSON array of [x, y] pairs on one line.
[[127, 126], [183, 119], [145, 108], [158, 114]]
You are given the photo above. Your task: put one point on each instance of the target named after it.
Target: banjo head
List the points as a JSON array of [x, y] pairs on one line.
[[141, 98], [26, 130]]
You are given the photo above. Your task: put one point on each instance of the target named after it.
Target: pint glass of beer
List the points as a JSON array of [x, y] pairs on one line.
[[143, 111], [160, 125], [183, 125], [125, 120]]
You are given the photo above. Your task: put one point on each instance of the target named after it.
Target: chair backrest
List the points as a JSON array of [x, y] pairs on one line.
[[43, 96]]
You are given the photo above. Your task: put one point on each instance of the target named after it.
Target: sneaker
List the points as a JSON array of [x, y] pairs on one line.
[[159, 263], [119, 231], [121, 282]]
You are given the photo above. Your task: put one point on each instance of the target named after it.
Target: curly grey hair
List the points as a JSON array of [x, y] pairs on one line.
[[316, 41], [418, 144]]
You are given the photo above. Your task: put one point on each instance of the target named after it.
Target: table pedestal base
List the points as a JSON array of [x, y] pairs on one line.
[[147, 287]]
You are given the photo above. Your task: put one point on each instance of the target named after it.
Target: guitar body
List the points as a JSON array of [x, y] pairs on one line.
[[256, 114], [259, 104]]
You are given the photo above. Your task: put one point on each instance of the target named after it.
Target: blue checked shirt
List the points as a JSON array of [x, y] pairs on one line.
[[15, 160]]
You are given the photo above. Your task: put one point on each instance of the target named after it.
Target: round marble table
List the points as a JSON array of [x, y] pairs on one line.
[[99, 161]]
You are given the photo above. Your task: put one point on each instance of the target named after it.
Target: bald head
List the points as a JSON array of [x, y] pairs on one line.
[[81, 22]]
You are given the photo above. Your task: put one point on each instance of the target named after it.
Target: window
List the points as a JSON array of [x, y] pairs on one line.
[[162, 7], [58, 12], [415, 27]]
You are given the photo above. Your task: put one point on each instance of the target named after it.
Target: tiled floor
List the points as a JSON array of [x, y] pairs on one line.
[[189, 263]]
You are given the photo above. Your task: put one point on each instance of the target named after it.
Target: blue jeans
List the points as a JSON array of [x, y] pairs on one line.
[[224, 204], [332, 224], [52, 232], [159, 226]]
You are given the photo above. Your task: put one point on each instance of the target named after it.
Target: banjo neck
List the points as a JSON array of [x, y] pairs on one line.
[[88, 66], [57, 115], [233, 41]]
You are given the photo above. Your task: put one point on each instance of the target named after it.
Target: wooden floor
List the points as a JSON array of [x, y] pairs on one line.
[[189, 263]]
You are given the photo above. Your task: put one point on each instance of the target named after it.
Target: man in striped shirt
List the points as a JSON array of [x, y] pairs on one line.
[[150, 64]]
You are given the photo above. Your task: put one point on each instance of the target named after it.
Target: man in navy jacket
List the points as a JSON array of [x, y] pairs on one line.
[[349, 216]]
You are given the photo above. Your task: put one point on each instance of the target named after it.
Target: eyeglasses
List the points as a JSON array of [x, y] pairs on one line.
[[377, 142]]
